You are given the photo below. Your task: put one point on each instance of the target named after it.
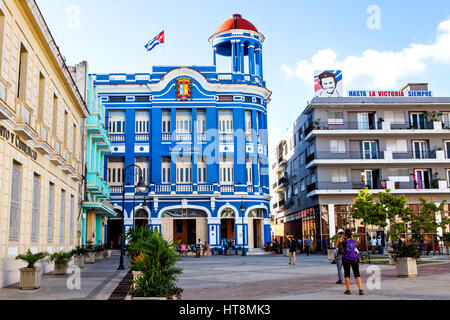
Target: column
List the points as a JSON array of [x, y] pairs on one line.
[[255, 151], [242, 58], [214, 56], [331, 220], [233, 56], [194, 155], [214, 232], [251, 59]]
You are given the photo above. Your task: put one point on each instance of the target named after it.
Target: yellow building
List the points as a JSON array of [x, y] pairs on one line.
[[41, 148]]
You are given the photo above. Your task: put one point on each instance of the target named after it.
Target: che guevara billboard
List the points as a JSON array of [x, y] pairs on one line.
[[328, 83]]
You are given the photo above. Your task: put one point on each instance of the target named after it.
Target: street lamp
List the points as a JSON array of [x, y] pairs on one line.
[[242, 208], [140, 186]]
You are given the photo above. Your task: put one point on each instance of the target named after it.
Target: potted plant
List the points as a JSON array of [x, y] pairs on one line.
[[239, 250], [216, 251], [159, 274], [79, 254], [405, 258], [90, 255], [61, 261], [331, 249], [98, 252], [108, 252], [30, 276]]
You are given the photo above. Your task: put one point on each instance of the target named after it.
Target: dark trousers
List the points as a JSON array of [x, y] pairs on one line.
[[307, 250], [354, 266]]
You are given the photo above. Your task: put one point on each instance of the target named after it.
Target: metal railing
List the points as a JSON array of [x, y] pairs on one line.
[[324, 125], [414, 155], [114, 137], [426, 125], [349, 155]]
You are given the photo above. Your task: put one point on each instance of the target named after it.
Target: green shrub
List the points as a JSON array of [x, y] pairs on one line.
[[404, 250], [79, 251], [31, 258], [157, 263], [61, 257]]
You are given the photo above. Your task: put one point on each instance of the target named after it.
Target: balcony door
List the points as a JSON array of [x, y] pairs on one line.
[[366, 121], [417, 120], [420, 149], [447, 148], [422, 178], [369, 150]]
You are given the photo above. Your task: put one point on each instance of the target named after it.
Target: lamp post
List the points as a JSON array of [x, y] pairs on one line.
[[140, 187], [242, 208]]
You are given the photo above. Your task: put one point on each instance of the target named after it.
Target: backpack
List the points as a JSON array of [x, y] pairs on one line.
[[350, 253]]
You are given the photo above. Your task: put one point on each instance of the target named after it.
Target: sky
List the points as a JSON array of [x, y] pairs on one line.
[[377, 44]]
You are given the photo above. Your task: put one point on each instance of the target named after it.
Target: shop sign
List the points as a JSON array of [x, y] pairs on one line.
[[15, 140]]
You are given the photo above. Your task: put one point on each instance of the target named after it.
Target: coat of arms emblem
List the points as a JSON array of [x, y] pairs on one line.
[[183, 89]]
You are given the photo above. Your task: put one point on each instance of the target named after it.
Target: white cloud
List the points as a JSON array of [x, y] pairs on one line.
[[378, 69]]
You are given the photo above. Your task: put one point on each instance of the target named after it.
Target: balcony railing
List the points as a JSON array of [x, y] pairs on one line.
[[114, 137], [184, 137], [226, 136], [201, 136], [414, 155], [427, 125], [163, 188], [116, 189], [348, 155], [183, 188], [358, 185], [205, 188], [142, 137], [226, 189], [166, 136], [343, 126]]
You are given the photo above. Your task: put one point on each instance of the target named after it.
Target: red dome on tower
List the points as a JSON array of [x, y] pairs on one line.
[[236, 22]]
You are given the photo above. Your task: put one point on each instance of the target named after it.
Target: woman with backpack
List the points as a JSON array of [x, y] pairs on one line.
[[350, 259]]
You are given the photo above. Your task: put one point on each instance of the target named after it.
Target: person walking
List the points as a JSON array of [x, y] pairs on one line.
[[206, 248], [292, 249], [338, 256], [299, 241], [350, 259], [183, 249], [198, 247], [373, 243], [380, 245], [307, 242], [324, 245]]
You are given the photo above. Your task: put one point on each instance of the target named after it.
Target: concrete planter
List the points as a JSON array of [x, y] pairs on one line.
[[406, 267], [239, 252], [331, 254], [286, 252], [30, 279], [99, 256], [90, 257], [60, 268], [447, 250], [108, 253], [216, 252], [78, 260]]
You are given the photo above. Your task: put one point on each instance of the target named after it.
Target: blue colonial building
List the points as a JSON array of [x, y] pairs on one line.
[[199, 140]]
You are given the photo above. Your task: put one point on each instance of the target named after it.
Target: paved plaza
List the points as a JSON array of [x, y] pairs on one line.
[[312, 278], [258, 277]]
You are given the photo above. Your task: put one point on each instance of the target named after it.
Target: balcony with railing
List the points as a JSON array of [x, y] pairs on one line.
[[142, 137], [25, 120], [5, 111], [324, 125], [117, 137], [425, 125], [166, 137], [237, 77], [186, 137], [226, 137], [414, 155]]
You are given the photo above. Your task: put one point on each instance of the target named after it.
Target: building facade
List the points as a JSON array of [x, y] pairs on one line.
[[339, 146], [41, 115], [199, 139], [96, 206]]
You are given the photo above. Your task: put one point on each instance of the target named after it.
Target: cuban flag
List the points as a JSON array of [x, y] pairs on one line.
[[157, 40]]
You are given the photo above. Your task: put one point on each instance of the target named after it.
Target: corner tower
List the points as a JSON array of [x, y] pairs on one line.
[[240, 41]]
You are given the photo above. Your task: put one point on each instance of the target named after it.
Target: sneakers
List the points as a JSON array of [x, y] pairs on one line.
[[347, 292], [361, 292], [338, 282]]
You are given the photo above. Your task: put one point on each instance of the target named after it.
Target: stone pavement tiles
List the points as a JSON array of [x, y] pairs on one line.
[[98, 281], [312, 278]]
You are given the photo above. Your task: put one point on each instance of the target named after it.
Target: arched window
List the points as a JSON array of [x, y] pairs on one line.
[[256, 213], [141, 214], [185, 213], [227, 213]]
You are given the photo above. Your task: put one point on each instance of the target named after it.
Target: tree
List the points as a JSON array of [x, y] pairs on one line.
[[425, 221], [366, 210], [392, 209]]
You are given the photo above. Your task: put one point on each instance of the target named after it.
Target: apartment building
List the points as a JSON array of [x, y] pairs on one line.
[[339, 146], [41, 117]]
